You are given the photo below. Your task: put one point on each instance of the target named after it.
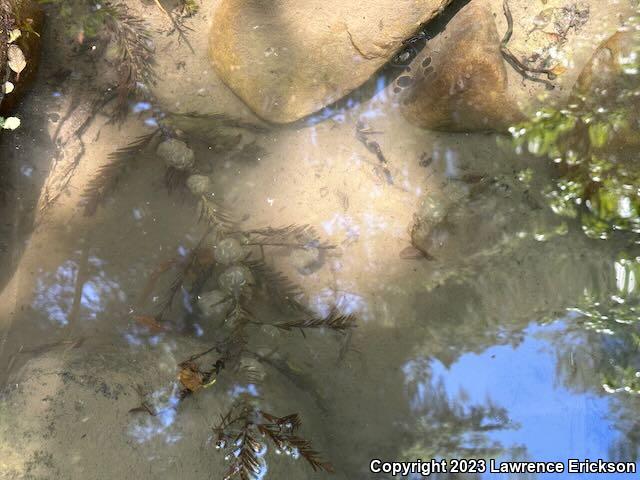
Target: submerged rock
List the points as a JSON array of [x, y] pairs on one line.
[[235, 278], [458, 83], [289, 58], [609, 83], [199, 184], [228, 251], [214, 304], [482, 218], [176, 154]]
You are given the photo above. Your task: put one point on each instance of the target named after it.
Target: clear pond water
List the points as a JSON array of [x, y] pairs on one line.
[[516, 339]]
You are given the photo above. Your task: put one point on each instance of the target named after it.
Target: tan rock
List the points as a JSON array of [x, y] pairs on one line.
[[289, 58], [609, 82], [458, 82], [615, 63]]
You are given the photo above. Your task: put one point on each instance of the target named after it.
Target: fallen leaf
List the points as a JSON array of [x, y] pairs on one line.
[[14, 35], [151, 323], [559, 69], [553, 37], [190, 376], [10, 123], [17, 61]]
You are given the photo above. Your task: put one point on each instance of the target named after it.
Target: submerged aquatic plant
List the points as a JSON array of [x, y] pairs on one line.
[[593, 141], [231, 259], [597, 182], [244, 429], [134, 51], [222, 130], [117, 33], [242, 435]]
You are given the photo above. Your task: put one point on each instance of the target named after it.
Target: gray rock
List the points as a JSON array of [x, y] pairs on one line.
[[235, 278], [228, 251], [214, 304], [199, 184], [176, 154]]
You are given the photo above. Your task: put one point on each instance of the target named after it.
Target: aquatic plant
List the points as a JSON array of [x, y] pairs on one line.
[[242, 435], [226, 279], [217, 129], [134, 51], [235, 258], [597, 183], [120, 36], [593, 141]]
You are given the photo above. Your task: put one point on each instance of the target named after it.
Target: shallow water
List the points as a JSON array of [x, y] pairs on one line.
[[517, 341]]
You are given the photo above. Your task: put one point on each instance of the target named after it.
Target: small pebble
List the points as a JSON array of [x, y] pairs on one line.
[[214, 304], [199, 184], [234, 278], [228, 251], [176, 154]]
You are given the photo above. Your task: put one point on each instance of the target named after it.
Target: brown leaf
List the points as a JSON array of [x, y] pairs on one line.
[[411, 253], [151, 323], [190, 376], [559, 69]]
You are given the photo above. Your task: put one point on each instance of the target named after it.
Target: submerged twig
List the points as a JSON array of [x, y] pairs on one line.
[[177, 26], [517, 65], [215, 215], [298, 236], [334, 321], [242, 433], [135, 52]]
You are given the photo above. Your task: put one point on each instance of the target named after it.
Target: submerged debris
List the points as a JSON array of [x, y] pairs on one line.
[[198, 185], [519, 66], [176, 154], [243, 432]]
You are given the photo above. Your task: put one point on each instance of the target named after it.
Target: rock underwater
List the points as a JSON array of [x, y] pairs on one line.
[[458, 82], [609, 82], [289, 58]]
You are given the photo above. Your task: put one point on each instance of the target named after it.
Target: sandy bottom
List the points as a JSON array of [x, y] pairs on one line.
[[72, 358]]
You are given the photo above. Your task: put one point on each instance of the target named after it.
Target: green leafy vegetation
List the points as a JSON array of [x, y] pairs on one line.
[[597, 182], [593, 142]]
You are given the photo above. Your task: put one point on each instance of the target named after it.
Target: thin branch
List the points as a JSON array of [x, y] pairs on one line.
[[135, 52], [334, 321], [299, 236], [517, 65], [215, 215]]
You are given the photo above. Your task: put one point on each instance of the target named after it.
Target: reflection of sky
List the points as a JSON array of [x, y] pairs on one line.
[[55, 291], [372, 107], [555, 423], [347, 303], [146, 427]]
